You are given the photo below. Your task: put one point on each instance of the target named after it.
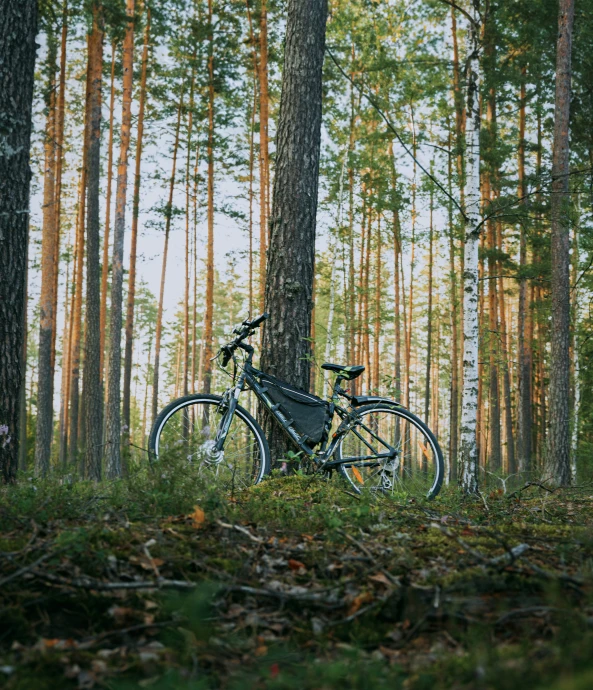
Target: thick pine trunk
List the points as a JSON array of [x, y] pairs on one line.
[[468, 460], [113, 412], [290, 267], [18, 28], [47, 317], [91, 391], [134, 236], [558, 449]]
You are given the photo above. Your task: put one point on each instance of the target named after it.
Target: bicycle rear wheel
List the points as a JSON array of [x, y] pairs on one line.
[[410, 462], [187, 428]]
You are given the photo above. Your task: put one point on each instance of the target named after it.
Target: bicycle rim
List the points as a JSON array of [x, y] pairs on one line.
[[412, 464], [189, 431]]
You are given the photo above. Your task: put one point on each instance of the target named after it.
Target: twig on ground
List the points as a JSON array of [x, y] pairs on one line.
[[29, 568], [243, 530]]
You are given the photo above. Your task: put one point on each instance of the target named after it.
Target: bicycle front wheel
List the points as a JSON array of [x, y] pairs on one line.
[[389, 450], [187, 428]]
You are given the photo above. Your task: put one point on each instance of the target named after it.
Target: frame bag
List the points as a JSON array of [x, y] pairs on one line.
[[305, 412]]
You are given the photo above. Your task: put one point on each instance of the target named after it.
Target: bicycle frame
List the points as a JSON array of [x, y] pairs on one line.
[[248, 377]]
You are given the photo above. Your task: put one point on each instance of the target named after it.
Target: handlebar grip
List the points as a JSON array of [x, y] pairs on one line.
[[226, 356], [259, 320]]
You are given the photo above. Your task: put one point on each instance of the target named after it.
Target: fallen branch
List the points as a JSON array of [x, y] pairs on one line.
[[243, 530]]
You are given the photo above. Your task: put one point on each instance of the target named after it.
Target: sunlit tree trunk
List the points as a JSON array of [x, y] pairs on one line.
[[105, 265], [558, 450], [209, 310], [159, 318], [113, 412], [47, 317], [129, 346], [469, 408]]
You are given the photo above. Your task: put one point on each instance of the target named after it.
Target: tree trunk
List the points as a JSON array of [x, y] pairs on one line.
[[558, 450], [264, 162], [105, 268], [190, 122], [47, 317], [91, 390], [290, 267], [453, 296], [128, 353], [524, 352], [18, 29], [429, 314], [468, 460], [159, 318], [113, 436], [209, 311]]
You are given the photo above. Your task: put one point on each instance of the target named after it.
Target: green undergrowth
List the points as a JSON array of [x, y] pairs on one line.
[[295, 583]]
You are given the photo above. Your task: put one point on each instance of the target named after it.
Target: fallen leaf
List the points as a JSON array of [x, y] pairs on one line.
[[380, 577], [262, 650], [274, 670], [364, 598], [296, 565], [198, 517], [358, 476]]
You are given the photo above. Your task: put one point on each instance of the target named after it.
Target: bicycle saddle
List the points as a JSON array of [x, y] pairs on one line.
[[347, 373]]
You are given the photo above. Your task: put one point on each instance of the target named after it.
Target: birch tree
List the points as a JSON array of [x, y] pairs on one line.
[[468, 461]]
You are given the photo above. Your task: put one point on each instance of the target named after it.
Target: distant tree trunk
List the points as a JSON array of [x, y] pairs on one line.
[[264, 162], [396, 280], [105, 268], [408, 372], [209, 311], [469, 408], [47, 317], [558, 450], [190, 122], [113, 436], [91, 390], [59, 162], [524, 412], [18, 29], [377, 324], [159, 318], [129, 347], [289, 281], [63, 423], [453, 296], [429, 313]]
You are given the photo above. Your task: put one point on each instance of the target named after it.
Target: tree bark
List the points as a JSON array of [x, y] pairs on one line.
[[128, 353], [209, 310], [289, 282], [113, 413], [524, 412], [91, 390], [264, 160], [47, 317], [159, 318], [468, 460], [105, 267], [17, 47], [558, 448]]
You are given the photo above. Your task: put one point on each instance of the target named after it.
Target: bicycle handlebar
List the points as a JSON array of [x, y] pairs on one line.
[[246, 329]]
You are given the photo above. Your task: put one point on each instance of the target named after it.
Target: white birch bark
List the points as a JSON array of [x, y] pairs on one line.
[[468, 461], [574, 438]]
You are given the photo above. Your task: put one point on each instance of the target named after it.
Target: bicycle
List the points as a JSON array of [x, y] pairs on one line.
[[376, 445]]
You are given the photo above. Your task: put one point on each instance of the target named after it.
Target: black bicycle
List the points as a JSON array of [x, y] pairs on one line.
[[374, 442]]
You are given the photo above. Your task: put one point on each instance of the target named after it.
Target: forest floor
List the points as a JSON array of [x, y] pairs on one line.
[[297, 583]]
